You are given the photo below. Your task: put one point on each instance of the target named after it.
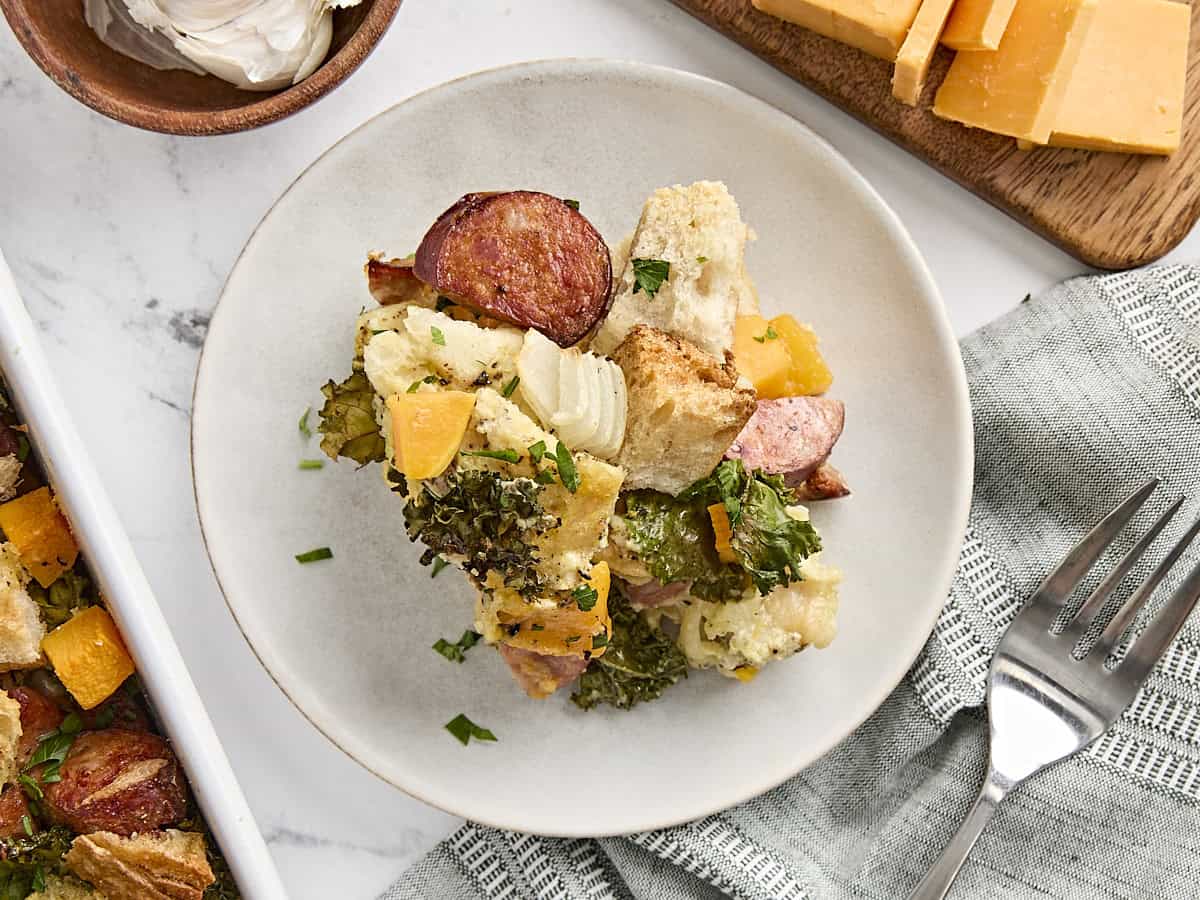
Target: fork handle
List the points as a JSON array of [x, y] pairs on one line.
[[936, 883]]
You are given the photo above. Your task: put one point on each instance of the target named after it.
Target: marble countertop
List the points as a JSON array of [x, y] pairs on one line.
[[120, 241]]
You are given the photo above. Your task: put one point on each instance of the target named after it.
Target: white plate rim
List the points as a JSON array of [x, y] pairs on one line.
[[958, 391]]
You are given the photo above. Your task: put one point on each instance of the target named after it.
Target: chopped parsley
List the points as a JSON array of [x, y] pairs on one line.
[[415, 386], [599, 640], [537, 451], [51, 752], [439, 563], [303, 423], [544, 477], [567, 473], [536, 627], [510, 387], [464, 729], [585, 596], [702, 259], [27, 825], [457, 651], [314, 555], [438, 337], [510, 456], [574, 204], [572, 639], [770, 335], [649, 275], [312, 464]]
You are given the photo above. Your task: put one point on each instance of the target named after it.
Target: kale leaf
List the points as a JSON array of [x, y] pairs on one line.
[[25, 861], [348, 426], [675, 540], [640, 663], [480, 516], [770, 544]]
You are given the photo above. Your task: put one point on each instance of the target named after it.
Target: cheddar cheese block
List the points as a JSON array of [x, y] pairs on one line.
[[1126, 93], [916, 53], [978, 24], [876, 26], [1019, 88]]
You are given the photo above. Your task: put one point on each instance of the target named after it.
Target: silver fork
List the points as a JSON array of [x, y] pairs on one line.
[[1044, 704]]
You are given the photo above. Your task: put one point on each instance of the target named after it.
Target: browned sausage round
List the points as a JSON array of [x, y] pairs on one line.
[[521, 257], [14, 806], [117, 780], [39, 716], [791, 436]]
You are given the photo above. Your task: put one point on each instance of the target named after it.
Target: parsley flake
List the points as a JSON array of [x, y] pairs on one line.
[[27, 824], [544, 477], [585, 596], [649, 275], [416, 385], [456, 652], [770, 335], [537, 451], [312, 464], [567, 473], [574, 204], [438, 337], [464, 729], [510, 387], [572, 639], [439, 563], [314, 555], [303, 423], [702, 259]]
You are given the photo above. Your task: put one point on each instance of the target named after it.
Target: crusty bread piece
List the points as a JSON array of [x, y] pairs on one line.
[[158, 865], [685, 409], [699, 231], [10, 735], [21, 628], [59, 888]]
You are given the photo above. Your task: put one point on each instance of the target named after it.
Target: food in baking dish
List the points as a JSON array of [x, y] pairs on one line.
[[93, 802], [615, 446]]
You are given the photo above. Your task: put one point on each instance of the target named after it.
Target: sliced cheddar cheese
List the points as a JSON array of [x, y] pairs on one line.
[[1127, 90], [1018, 89], [916, 53], [978, 24], [875, 26]]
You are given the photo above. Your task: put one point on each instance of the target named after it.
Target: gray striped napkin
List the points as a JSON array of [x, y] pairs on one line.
[[1079, 396]]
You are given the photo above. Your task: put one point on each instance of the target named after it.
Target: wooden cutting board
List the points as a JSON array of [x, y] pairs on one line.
[[1113, 211]]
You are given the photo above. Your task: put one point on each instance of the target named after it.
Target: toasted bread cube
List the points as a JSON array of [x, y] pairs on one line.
[[685, 409], [88, 656]]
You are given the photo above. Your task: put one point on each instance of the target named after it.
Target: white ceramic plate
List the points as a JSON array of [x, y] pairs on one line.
[[349, 640]]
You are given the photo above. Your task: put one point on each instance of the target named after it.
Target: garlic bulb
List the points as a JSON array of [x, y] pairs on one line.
[[257, 45]]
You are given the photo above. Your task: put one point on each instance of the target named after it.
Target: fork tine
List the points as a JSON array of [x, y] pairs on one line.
[[1125, 615], [1059, 584], [1094, 603]]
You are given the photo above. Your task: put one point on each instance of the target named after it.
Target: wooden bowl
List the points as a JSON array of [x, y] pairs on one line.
[[58, 38]]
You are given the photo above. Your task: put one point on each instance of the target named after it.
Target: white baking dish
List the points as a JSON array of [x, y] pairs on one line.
[[129, 598]]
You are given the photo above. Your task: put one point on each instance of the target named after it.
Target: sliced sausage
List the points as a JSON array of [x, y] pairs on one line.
[[39, 716], [652, 594], [539, 674], [14, 806], [826, 483], [791, 436], [522, 257], [392, 281], [119, 781]]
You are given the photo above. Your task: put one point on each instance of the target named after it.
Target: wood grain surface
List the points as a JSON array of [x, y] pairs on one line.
[[1113, 211]]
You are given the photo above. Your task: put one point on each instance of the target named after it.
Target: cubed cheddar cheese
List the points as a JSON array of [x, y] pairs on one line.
[[916, 53], [35, 526], [88, 656], [875, 26], [1018, 89], [978, 24], [1127, 90]]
